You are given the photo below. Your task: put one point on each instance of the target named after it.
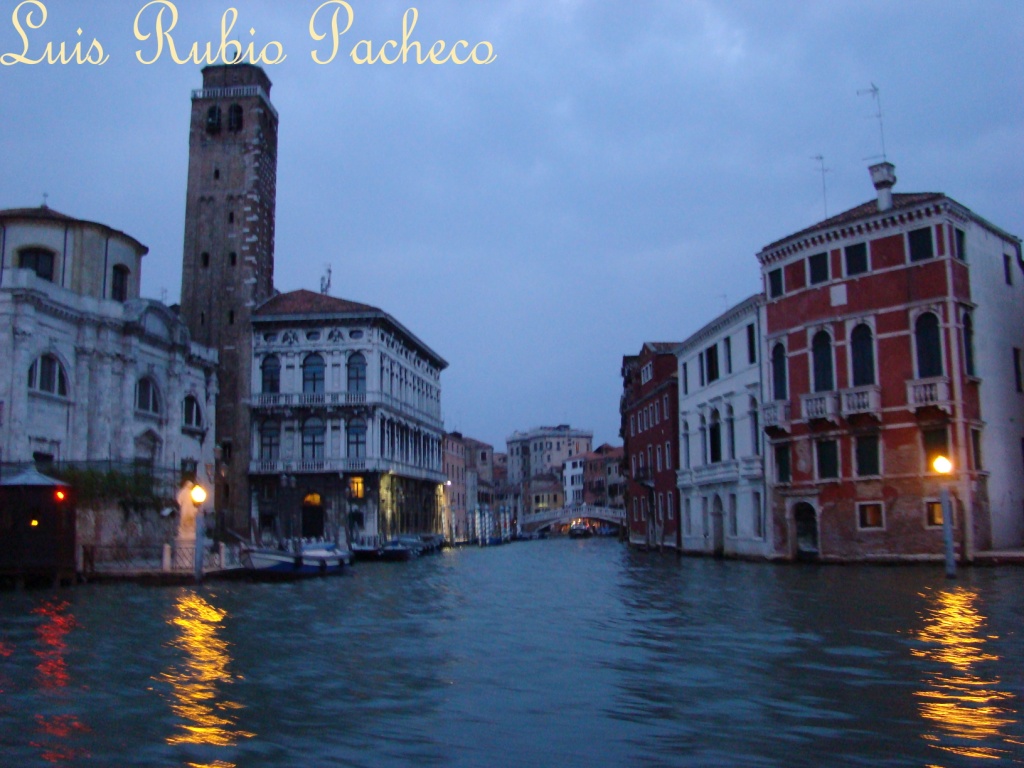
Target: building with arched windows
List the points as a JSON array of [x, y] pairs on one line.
[[893, 333], [94, 372], [347, 434]]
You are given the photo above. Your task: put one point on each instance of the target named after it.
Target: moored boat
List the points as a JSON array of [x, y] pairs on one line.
[[304, 560]]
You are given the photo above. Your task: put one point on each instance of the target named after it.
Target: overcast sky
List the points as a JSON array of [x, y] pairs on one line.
[[607, 180]]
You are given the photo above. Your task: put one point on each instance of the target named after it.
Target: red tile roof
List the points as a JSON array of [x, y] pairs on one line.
[[303, 302]]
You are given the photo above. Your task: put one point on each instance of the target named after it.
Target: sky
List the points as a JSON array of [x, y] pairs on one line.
[[607, 180]]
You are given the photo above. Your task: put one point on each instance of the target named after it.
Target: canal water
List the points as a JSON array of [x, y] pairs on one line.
[[546, 653]]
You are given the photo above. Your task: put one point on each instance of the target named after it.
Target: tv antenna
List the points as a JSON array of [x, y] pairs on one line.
[[325, 281], [824, 193], [46, 196], [874, 93]]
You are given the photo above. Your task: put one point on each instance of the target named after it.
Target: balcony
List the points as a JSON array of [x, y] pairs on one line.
[[314, 400], [776, 415], [822, 406], [924, 393], [722, 472], [865, 401], [751, 467], [335, 465]]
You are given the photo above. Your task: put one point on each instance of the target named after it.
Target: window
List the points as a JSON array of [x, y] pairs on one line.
[[190, 414], [632, 425], [711, 362], [647, 373], [733, 521], [270, 441], [976, 450], [685, 429], [869, 516], [357, 374], [313, 438], [146, 397], [356, 432], [687, 518], [920, 241], [817, 266], [39, 260], [356, 488], [658, 465], [866, 455], [730, 431], [205, 259], [863, 353], [856, 259], [821, 353], [213, 120], [775, 288], [231, 317], [313, 374], [233, 258], [47, 375], [670, 510], [755, 428], [751, 344], [235, 118], [961, 244], [270, 369], [1017, 373], [929, 351], [828, 459], [119, 283], [657, 413], [728, 354], [936, 444], [933, 514], [969, 344], [686, 381], [1007, 269], [758, 520], [779, 378], [715, 438], [668, 455]]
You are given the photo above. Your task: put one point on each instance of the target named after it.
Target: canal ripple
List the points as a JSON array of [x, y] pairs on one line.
[[549, 653]]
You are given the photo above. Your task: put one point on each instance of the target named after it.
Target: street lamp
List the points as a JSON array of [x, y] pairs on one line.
[[198, 496], [944, 467]]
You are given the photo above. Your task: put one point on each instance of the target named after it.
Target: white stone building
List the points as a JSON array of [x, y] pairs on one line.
[[721, 444], [572, 480], [347, 434], [95, 373]]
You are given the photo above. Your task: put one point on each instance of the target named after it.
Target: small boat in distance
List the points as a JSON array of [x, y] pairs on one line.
[[579, 530]]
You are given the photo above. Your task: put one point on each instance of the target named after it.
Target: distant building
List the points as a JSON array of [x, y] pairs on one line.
[[96, 373], [604, 484], [721, 473], [535, 460], [346, 421], [572, 479], [456, 525], [650, 430], [479, 485], [894, 333]]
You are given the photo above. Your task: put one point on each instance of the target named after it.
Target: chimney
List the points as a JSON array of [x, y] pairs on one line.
[[883, 176]]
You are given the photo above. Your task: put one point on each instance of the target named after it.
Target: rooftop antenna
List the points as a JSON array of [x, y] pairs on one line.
[[325, 281], [874, 93], [824, 170], [46, 196]]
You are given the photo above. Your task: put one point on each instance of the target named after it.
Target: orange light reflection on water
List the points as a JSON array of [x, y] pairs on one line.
[[967, 709], [197, 698]]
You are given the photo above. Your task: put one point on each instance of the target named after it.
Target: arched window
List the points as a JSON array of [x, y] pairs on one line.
[[313, 374], [356, 432], [862, 350], [755, 428], [357, 374], [235, 119], [119, 283], [313, 438], [703, 441], [191, 415], [39, 260], [780, 390], [270, 440], [929, 349], [270, 369], [715, 438], [730, 431], [147, 397], [686, 444], [47, 375], [821, 353], [969, 344], [213, 119]]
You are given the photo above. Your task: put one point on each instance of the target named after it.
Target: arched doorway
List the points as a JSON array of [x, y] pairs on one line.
[[718, 526], [312, 516], [805, 519]]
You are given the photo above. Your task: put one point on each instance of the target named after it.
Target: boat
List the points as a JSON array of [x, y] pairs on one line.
[[579, 530], [366, 548], [301, 560], [397, 549]]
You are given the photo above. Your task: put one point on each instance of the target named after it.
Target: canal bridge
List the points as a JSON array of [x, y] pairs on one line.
[[548, 518]]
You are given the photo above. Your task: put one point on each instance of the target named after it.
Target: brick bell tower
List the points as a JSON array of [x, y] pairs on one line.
[[228, 261]]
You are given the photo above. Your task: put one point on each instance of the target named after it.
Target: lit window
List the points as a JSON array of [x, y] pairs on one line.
[[870, 516]]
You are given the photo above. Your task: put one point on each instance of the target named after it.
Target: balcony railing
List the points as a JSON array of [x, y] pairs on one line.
[[336, 465], [862, 400], [820, 405], [776, 414], [922, 393], [722, 472], [267, 400]]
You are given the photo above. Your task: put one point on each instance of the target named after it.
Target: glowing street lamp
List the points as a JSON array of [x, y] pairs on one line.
[[198, 495], [944, 467]]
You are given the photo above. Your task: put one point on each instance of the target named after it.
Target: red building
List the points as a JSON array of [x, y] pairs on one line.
[[893, 334], [650, 432]]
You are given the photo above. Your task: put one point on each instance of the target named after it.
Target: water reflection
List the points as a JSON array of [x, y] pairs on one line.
[[210, 718], [962, 700], [55, 731]]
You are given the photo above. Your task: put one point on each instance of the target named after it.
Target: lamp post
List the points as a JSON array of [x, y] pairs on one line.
[[198, 496], [944, 467]]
